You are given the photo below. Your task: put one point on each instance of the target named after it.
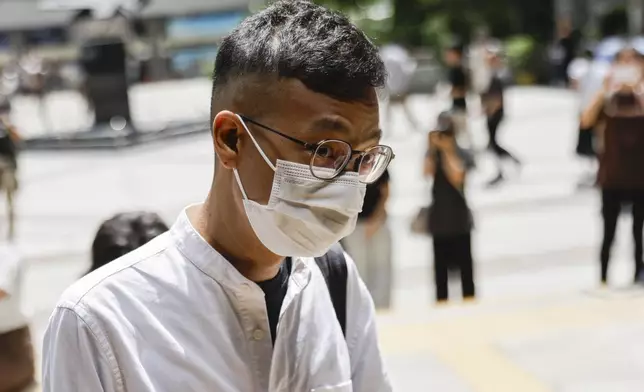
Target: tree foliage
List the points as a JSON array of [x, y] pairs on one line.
[[431, 22]]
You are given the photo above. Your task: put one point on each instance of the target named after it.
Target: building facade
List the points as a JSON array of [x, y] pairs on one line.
[[169, 38]]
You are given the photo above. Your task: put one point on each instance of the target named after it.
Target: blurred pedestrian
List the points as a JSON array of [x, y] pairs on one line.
[[450, 219], [370, 243], [479, 67], [124, 233], [248, 290], [36, 74], [400, 67], [9, 141], [459, 82], [17, 370], [578, 72], [494, 106], [568, 44], [617, 113]]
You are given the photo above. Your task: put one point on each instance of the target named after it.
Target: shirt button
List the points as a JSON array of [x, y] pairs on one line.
[[258, 334]]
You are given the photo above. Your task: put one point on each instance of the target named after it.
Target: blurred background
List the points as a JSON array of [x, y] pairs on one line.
[[107, 103]]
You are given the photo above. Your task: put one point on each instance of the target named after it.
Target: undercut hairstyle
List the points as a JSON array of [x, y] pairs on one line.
[[124, 233], [301, 40]]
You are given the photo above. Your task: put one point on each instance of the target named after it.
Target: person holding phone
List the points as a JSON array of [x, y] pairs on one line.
[[450, 219], [617, 112]]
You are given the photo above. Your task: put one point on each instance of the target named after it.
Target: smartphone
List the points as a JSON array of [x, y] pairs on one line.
[[626, 74]]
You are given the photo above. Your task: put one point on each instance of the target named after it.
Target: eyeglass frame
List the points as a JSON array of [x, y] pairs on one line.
[[312, 147]]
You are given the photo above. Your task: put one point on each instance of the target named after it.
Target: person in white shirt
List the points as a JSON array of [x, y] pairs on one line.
[[401, 67], [16, 354], [231, 298], [479, 67]]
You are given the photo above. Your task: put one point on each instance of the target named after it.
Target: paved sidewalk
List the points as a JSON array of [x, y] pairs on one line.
[[588, 342]]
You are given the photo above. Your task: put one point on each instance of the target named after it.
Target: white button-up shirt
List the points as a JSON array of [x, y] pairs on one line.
[[175, 315]]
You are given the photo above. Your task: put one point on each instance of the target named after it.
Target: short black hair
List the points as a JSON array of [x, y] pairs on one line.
[[456, 45], [445, 122], [124, 233], [301, 40]]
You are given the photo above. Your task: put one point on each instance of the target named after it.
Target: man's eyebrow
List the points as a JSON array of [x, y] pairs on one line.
[[375, 133], [329, 124], [332, 124]]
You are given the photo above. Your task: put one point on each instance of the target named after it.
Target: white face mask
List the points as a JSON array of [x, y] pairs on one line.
[[628, 74], [304, 216]]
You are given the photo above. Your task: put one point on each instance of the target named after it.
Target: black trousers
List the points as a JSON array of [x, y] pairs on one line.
[[612, 202], [493, 122], [453, 253]]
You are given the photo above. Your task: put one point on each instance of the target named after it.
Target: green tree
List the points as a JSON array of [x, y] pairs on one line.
[[433, 22], [349, 6]]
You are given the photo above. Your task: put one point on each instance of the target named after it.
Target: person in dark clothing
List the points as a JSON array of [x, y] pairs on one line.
[[124, 233], [459, 82], [9, 143], [612, 202], [569, 43], [450, 219], [493, 102], [617, 112], [370, 243]]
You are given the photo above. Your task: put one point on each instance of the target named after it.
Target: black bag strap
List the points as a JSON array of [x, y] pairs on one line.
[[334, 269]]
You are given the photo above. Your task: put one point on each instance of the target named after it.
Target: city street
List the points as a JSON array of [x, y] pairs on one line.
[[541, 322]]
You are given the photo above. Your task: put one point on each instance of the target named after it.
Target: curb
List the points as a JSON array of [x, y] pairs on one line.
[[108, 139]]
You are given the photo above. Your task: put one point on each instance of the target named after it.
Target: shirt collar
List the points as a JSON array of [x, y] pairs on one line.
[[199, 252]]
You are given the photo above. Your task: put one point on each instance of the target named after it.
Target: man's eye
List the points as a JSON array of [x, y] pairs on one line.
[[368, 159], [324, 152]]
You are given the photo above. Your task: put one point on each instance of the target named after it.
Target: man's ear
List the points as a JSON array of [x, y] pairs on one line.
[[226, 129]]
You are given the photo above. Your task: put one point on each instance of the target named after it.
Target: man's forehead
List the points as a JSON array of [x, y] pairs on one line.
[[253, 86], [287, 102]]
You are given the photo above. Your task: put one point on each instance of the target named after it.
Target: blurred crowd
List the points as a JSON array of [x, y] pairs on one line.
[[609, 78]]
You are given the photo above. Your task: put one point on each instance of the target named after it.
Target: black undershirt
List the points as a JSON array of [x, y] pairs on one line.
[[274, 293]]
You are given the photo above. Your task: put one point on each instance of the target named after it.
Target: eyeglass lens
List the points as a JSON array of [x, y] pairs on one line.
[[374, 163], [331, 157]]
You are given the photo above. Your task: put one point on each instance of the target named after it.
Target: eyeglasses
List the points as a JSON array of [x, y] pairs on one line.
[[330, 157]]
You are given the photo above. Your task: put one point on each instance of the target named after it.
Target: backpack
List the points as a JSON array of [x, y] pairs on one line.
[[333, 266]]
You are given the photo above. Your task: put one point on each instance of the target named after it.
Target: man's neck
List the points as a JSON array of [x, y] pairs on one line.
[[231, 235]]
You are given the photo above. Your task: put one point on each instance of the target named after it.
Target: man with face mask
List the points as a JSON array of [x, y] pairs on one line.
[[231, 299]]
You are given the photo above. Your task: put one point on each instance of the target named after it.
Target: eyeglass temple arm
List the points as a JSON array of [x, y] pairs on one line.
[[300, 142]]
